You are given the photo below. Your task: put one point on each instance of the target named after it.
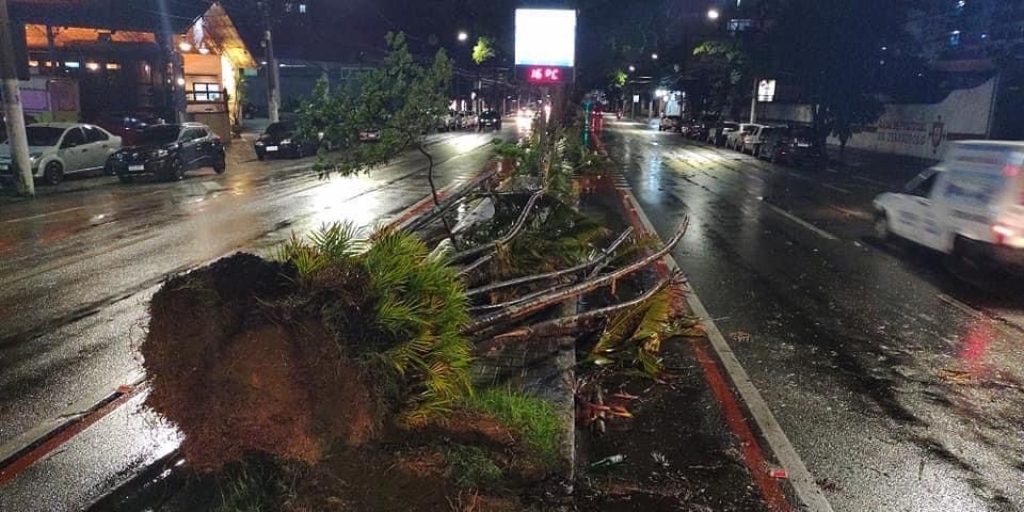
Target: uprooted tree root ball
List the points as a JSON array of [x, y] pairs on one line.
[[236, 380], [288, 359]]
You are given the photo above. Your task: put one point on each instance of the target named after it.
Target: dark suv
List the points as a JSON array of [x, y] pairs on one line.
[[792, 146], [283, 139], [169, 150], [489, 119]]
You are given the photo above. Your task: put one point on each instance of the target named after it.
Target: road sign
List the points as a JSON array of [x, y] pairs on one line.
[[766, 90]]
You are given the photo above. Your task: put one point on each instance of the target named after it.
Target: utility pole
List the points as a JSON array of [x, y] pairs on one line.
[[753, 103], [21, 166], [273, 73]]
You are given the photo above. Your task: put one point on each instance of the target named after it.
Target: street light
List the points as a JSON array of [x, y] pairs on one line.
[[713, 14], [463, 36], [632, 68], [654, 56]]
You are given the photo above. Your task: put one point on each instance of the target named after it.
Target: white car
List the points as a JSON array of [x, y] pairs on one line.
[[58, 149], [970, 205], [734, 140]]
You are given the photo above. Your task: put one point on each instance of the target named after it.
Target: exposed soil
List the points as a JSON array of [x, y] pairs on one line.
[[679, 454], [235, 382], [411, 471]]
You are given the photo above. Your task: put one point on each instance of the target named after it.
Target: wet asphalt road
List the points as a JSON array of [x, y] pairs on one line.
[[901, 387], [77, 270]]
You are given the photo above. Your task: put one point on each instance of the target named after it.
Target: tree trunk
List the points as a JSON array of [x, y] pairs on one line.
[[433, 193]]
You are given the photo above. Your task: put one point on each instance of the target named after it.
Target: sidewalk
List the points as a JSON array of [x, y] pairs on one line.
[[894, 170]]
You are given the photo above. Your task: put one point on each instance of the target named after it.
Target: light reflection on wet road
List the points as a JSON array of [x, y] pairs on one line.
[[78, 270], [897, 395]]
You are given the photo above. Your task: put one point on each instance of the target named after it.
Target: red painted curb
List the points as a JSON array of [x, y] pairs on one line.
[[753, 455], [23, 461]]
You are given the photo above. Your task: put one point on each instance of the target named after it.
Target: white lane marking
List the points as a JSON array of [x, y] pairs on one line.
[[816, 230], [41, 215], [873, 182], [801, 479], [837, 189], [960, 305]]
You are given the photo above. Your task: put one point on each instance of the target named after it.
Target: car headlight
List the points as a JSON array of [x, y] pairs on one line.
[[34, 157], [285, 142], [158, 153]]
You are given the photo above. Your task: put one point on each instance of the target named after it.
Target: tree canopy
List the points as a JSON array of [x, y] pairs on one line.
[[402, 100]]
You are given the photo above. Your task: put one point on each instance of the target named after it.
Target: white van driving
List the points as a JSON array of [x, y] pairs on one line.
[[971, 204]]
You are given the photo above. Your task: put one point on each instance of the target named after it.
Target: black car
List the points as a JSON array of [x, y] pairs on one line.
[[489, 119], [169, 150], [283, 139], [792, 146]]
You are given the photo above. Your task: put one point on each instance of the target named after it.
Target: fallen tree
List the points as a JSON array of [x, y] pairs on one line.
[[345, 337]]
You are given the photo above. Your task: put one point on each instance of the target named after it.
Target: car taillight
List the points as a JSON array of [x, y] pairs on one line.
[[1002, 234]]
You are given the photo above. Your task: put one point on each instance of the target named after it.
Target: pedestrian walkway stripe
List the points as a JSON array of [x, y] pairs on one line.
[[800, 478]]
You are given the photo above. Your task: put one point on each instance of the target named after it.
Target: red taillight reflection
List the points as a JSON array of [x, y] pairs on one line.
[[1002, 233]]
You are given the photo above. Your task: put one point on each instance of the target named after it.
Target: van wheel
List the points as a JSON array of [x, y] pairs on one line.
[[882, 231]]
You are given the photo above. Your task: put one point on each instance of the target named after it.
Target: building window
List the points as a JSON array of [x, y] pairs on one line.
[[202, 91]]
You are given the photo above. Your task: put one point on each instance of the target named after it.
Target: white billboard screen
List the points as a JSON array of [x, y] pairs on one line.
[[545, 37]]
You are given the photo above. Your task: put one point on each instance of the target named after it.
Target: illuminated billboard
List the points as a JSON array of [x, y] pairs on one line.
[[546, 37]]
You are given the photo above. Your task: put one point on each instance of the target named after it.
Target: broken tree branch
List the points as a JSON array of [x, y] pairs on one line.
[[518, 226], [581, 322], [605, 253], [525, 308], [476, 264], [454, 198]]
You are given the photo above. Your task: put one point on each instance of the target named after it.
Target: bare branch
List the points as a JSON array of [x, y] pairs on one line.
[[505, 239], [579, 323], [554, 275], [525, 308], [473, 266]]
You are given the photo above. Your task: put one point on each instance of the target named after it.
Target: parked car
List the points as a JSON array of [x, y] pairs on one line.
[[755, 141], [369, 135], [672, 123], [734, 140], [489, 119], [169, 151], [691, 128], [282, 139], [59, 149], [467, 120], [718, 134], [793, 146], [970, 205]]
